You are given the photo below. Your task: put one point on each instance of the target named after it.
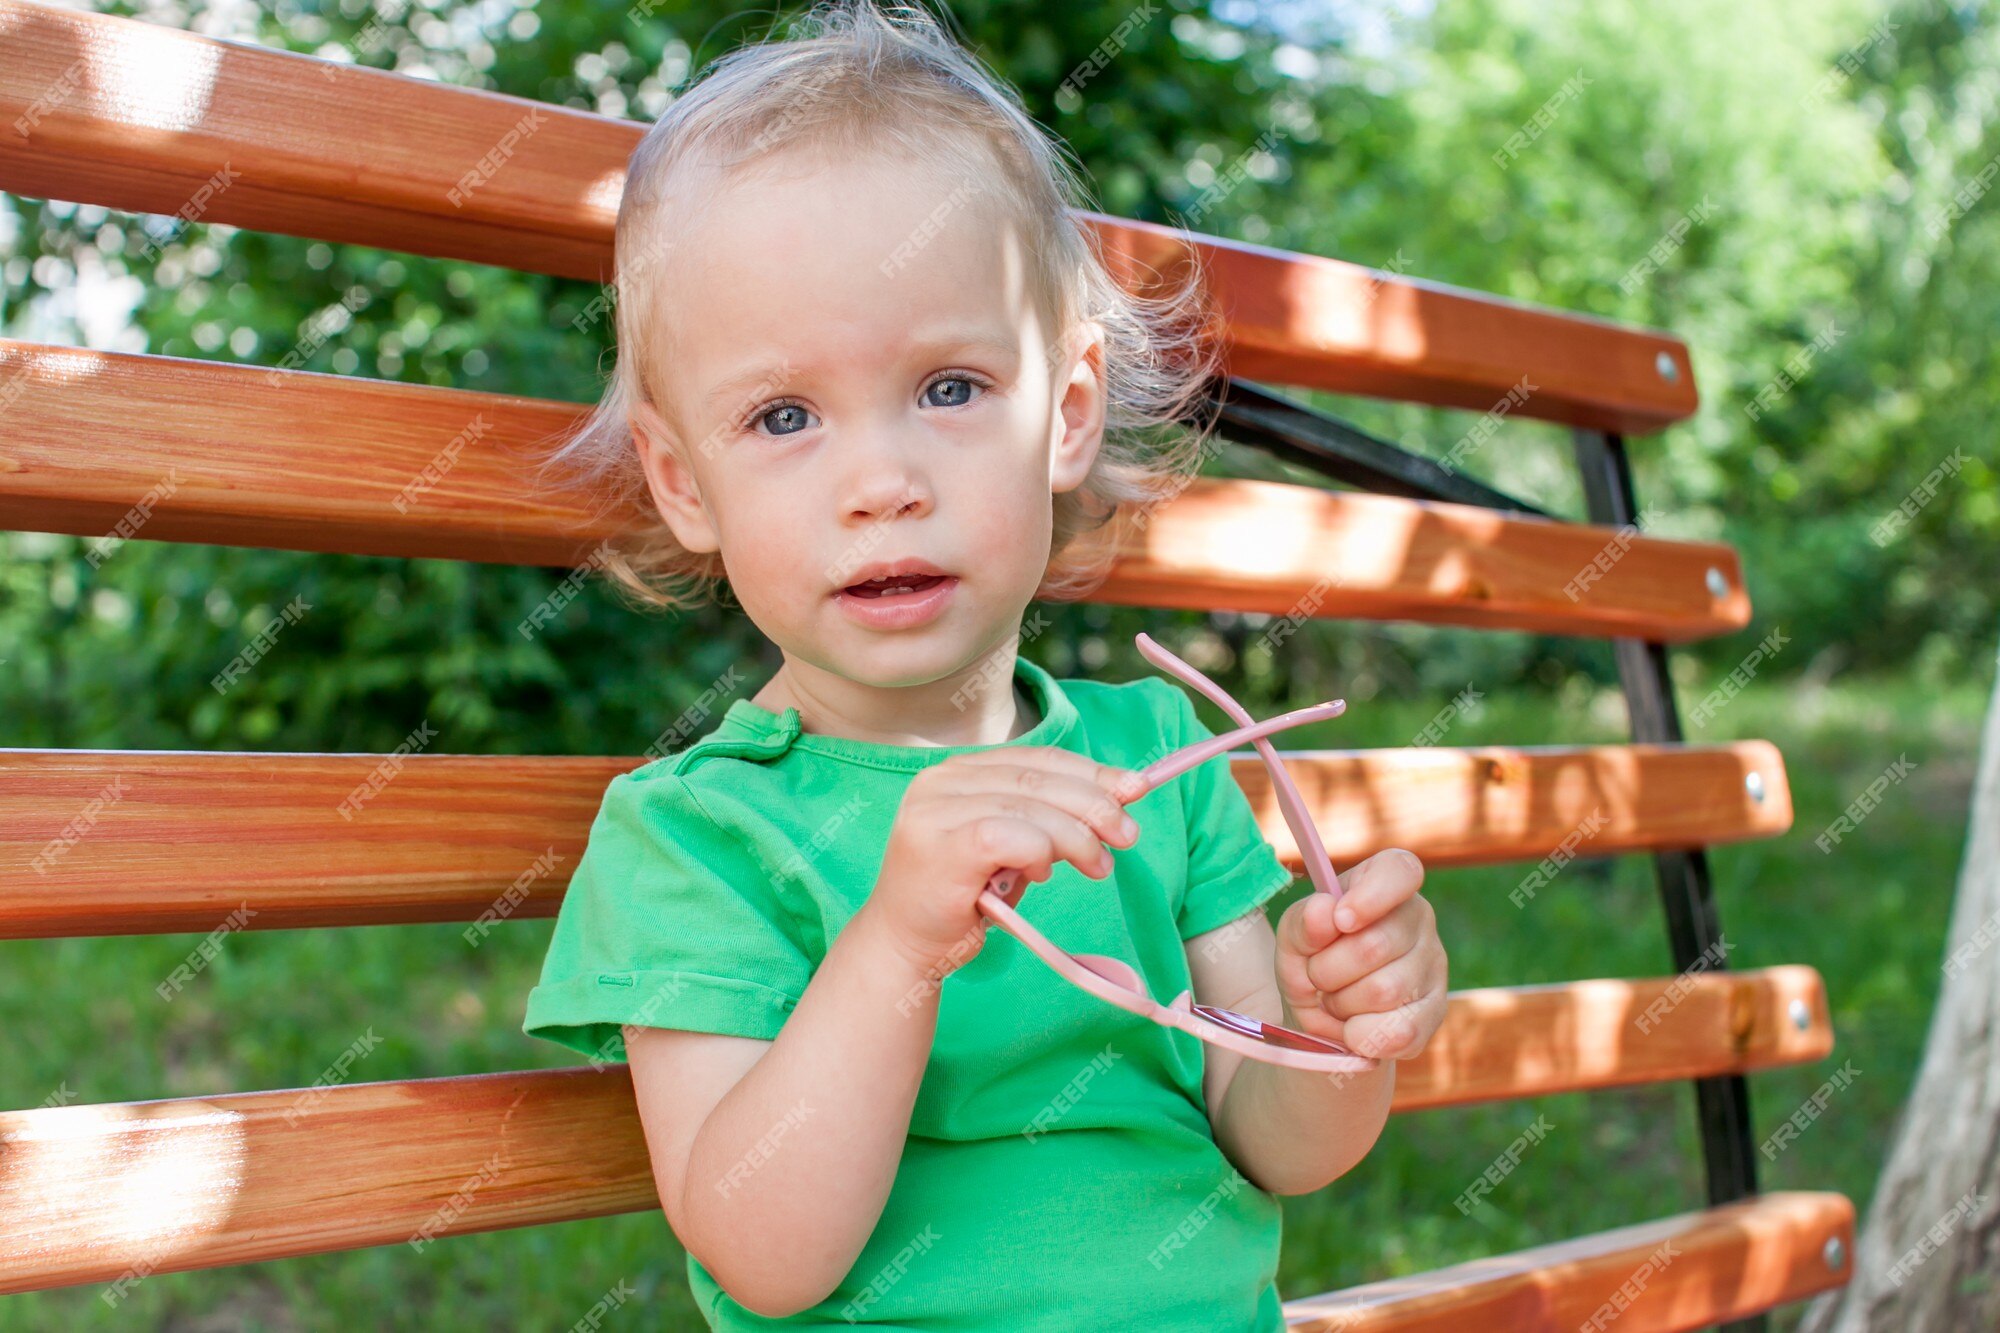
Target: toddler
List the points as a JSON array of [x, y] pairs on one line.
[[874, 374]]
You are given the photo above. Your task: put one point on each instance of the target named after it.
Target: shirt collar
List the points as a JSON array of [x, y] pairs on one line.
[[777, 732]]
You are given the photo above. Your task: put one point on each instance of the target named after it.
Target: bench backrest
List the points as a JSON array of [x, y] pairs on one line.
[[166, 449]]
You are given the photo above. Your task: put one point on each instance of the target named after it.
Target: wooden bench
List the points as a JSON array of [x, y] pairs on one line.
[[180, 450]]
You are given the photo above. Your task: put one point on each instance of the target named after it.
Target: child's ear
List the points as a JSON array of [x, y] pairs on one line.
[[1078, 430], [671, 481]]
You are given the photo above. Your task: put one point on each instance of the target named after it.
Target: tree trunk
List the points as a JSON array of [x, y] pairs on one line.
[[1929, 1257]]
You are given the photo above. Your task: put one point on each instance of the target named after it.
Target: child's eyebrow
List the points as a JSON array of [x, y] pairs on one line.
[[745, 383], [985, 340]]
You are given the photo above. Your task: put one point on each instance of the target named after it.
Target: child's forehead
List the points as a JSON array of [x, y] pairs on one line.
[[892, 206], [843, 261]]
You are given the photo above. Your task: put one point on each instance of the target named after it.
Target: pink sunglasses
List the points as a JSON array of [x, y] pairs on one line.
[[1111, 980]]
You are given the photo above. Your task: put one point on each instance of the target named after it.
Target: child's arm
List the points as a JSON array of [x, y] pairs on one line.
[[1383, 974], [774, 1158]]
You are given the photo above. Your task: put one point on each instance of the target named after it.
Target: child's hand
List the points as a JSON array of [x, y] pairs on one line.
[[965, 818], [1369, 970]]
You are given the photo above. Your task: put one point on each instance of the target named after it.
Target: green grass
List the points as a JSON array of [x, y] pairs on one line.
[[275, 1008]]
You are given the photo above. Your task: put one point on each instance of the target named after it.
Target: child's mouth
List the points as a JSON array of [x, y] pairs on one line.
[[898, 601], [894, 585]]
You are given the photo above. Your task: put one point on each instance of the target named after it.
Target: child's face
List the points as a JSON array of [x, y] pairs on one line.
[[855, 370]]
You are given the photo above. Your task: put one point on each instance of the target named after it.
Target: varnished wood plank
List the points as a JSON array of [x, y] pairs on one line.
[[90, 1193], [1327, 324], [166, 448], [105, 842], [1524, 1041], [1684, 1272]]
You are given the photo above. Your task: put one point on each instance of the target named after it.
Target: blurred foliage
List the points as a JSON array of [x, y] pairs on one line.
[[1819, 186]]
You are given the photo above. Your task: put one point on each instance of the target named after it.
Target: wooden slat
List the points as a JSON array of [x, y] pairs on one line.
[[141, 117], [133, 842], [93, 1193], [1327, 324], [87, 1192], [171, 449], [1683, 1272], [1299, 551], [1479, 805], [181, 450], [1525, 1041], [138, 117]]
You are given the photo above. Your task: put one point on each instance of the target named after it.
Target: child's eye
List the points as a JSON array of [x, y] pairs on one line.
[[958, 394], [793, 415]]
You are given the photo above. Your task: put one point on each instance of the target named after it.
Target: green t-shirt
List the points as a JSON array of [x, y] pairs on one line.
[[1060, 1170]]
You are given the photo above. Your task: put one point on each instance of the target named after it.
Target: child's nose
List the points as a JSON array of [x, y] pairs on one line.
[[884, 486]]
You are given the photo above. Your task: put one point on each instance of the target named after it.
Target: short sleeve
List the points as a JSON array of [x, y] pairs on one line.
[[668, 922], [1231, 867]]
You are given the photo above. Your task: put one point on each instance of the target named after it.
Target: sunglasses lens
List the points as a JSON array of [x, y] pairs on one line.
[[1268, 1033]]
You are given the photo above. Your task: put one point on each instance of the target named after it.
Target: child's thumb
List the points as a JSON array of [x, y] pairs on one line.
[[1307, 925]]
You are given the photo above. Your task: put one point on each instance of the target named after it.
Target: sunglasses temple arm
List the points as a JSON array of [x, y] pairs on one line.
[[1189, 756], [1319, 868], [1007, 884]]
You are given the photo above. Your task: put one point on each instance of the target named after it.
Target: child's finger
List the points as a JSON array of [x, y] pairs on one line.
[[1121, 784], [1399, 983], [1308, 1017], [1307, 925], [1384, 1036], [1085, 791], [1351, 957], [1377, 886], [1304, 929]]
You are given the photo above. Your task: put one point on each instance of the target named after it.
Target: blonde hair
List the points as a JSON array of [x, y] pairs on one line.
[[856, 78]]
